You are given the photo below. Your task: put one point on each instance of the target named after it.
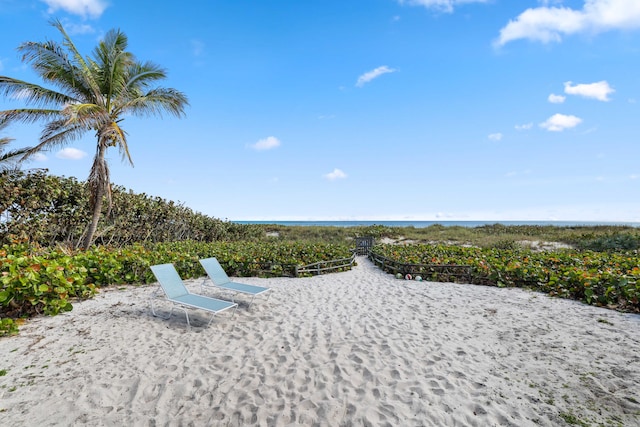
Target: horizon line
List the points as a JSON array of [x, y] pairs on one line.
[[289, 219]]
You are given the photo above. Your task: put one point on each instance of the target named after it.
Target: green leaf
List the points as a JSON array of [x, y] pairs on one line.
[[4, 296]]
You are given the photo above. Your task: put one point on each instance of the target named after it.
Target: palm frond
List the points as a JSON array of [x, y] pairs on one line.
[[87, 116], [52, 64], [111, 61], [13, 155], [156, 102], [143, 74], [32, 93], [82, 70], [55, 134], [28, 115], [9, 160], [3, 122], [4, 140]]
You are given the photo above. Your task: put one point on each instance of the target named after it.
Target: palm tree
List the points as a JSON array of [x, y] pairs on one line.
[[9, 160], [94, 94]]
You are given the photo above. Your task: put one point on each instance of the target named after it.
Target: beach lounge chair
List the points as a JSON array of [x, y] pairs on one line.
[[179, 295], [216, 277]]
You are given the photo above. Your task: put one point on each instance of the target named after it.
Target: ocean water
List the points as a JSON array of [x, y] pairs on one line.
[[423, 224]]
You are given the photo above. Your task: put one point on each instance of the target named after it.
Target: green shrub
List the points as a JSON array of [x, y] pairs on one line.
[[505, 244], [46, 210], [34, 284], [599, 278], [615, 242]]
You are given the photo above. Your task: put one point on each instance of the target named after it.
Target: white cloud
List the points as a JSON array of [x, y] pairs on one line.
[[74, 29], [373, 74], [92, 8], [267, 143], [442, 5], [560, 122], [336, 174], [599, 90], [549, 24], [525, 126], [495, 136], [39, 157], [556, 99], [71, 154]]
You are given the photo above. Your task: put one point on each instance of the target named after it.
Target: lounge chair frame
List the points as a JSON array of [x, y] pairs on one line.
[[176, 292], [216, 277]]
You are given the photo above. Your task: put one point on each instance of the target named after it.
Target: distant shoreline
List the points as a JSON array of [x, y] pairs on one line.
[[424, 224]]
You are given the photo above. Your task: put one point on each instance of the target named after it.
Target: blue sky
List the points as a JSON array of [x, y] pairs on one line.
[[369, 109]]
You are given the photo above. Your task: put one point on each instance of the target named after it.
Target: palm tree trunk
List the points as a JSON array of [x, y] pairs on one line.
[[99, 183], [95, 218]]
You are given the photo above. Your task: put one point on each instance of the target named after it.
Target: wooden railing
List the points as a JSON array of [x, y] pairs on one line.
[[322, 267], [271, 269], [433, 272]]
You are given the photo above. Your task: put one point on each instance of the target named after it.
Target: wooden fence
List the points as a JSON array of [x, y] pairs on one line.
[[322, 267], [271, 269], [433, 272]]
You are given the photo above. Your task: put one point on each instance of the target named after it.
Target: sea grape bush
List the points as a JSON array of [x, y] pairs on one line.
[[610, 279], [37, 284], [37, 280], [48, 210]]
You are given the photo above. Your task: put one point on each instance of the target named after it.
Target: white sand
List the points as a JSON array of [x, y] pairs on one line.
[[355, 348]]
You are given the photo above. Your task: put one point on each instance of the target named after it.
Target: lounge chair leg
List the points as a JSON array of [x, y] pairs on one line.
[[234, 311], [186, 314], [153, 311], [211, 320]]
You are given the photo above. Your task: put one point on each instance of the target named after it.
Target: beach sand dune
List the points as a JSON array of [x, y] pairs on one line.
[[358, 348]]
